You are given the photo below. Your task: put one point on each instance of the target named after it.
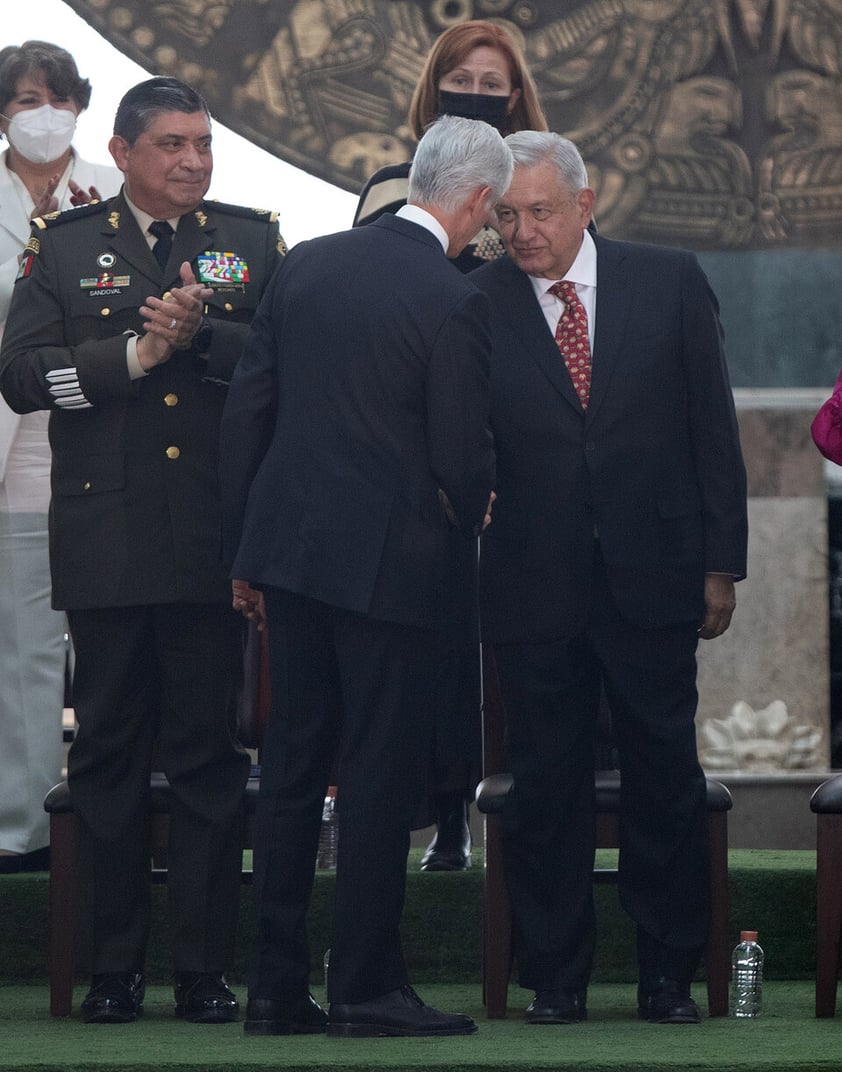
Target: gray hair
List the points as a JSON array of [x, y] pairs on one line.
[[143, 103], [454, 158], [532, 147]]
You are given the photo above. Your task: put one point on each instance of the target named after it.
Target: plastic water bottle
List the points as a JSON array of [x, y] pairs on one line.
[[746, 976], [329, 833]]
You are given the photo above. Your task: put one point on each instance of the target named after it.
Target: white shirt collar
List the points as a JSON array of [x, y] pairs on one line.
[[144, 219], [582, 271], [418, 215]]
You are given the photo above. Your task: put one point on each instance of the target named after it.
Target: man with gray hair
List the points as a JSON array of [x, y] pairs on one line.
[[620, 528], [357, 469]]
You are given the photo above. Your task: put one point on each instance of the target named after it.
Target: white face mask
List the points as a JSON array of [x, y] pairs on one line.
[[42, 134]]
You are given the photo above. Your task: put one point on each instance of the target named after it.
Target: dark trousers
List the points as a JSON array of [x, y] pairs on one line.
[[358, 691], [551, 694], [167, 674]]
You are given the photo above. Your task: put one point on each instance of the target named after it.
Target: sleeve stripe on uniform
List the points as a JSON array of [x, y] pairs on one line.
[[65, 389]]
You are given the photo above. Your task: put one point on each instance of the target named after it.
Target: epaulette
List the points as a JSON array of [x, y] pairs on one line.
[[52, 219], [242, 210]]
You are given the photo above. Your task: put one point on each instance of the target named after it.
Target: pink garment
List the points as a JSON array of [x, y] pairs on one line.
[[827, 425]]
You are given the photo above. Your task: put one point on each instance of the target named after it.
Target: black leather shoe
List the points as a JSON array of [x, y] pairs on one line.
[[450, 849], [668, 1003], [298, 1014], [557, 1007], [204, 998], [114, 998], [399, 1013]]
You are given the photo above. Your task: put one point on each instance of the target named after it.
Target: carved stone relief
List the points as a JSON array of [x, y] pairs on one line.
[[713, 124]]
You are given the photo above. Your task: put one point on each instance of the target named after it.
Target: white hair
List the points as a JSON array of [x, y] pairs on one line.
[[456, 157], [532, 147]]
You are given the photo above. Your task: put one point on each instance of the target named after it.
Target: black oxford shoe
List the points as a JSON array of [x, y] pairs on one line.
[[296, 1014], [114, 998], [557, 1007], [204, 998], [668, 1003], [399, 1013], [450, 849]]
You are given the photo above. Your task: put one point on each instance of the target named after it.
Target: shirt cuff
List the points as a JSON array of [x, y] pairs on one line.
[[136, 370]]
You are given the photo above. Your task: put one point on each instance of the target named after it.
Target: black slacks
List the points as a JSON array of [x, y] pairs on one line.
[[551, 694], [168, 674], [347, 688]]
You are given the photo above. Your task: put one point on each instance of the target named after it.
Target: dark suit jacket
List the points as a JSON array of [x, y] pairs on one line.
[[135, 510], [653, 466], [362, 391]]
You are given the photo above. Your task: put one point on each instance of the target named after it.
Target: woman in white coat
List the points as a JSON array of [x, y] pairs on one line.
[[41, 95]]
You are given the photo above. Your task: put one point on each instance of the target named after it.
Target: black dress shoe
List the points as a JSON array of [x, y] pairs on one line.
[[297, 1014], [450, 849], [114, 998], [668, 1003], [399, 1013], [204, 998], [557, 1007]]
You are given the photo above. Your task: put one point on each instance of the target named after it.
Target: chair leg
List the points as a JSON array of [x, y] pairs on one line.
[[828, 910], [717, 953], [63, 911], [497, 925]]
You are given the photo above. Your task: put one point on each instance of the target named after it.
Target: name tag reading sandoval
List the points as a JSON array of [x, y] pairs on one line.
[[218, 269]]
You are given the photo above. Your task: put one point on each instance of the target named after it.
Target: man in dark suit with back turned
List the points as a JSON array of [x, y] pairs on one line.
[[619, 530], [124, 331], [362, 394]]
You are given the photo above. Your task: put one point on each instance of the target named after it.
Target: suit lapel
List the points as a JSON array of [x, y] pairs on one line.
[[614, 286], [194, 236], [127, 240]]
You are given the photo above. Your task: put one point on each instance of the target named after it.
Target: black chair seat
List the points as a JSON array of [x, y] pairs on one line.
[[58, 802], [827, 798], [492, 792]]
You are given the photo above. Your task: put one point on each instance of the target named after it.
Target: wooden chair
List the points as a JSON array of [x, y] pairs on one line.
[[826, 803], [497, 919], [63, 895]]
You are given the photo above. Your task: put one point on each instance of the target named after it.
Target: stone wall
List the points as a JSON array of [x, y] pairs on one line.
[[774, 661]]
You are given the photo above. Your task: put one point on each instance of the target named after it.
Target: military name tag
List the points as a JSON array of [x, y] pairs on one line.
[[105, 283]]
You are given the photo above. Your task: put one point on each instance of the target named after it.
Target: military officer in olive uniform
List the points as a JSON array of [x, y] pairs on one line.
[[127, 320]]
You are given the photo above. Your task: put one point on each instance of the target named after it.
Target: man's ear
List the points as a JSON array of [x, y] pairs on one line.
[[119, 149], [481, 200]]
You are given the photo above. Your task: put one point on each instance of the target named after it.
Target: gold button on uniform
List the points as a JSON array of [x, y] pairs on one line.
[[171, 399], [105, 312], [173, 452], [228, 307], [167, 295], [87, 485]]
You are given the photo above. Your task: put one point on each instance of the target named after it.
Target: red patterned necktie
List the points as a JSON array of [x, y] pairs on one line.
[[571, 336]]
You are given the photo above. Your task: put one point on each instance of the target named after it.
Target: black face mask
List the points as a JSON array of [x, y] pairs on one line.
[[489, 108]]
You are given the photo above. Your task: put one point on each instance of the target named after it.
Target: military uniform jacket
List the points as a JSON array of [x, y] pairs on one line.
[[134, 517]]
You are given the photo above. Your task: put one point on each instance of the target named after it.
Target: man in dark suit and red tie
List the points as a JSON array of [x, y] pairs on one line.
[[357, 468], [619, 531]]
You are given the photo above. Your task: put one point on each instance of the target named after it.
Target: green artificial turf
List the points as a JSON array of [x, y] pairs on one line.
[[771, 891], [786, 1038]]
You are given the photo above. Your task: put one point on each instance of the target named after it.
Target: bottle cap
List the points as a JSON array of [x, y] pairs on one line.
[[748, 936]]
